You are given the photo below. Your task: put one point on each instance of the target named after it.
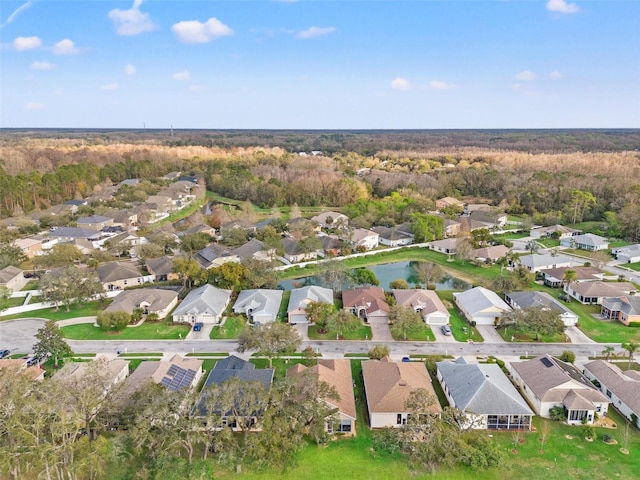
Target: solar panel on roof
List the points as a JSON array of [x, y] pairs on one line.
[[165, 382], [172, 370], [546, 362]]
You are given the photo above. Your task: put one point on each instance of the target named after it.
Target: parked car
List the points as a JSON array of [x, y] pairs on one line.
[[446, 329], [406, 359], [197, 326], [4, 353]]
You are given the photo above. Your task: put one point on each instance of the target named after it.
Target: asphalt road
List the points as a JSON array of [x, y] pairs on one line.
[[18, 336]]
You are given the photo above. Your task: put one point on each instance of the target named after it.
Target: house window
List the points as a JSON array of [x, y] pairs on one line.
[[345, 426], [125, 282], [608, 393], [399, 419]]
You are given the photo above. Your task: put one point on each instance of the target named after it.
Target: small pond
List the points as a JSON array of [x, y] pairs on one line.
[[385, 273]]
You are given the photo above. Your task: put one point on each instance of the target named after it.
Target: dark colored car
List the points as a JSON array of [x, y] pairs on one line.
[[197, 326], [4, 353], [406, 359]]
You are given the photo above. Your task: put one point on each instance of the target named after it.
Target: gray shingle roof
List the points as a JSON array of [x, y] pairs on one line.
[[479, 299], [259, 302], [204, 299], [625, 385], [536, 299], [300, 297], [482, 389]]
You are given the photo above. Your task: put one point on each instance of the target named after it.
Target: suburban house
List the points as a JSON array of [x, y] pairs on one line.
[[124, 218], [542, 300], [548, 382], [260, 306], [451, 227], [301, 297], [120, 275], [587, 241], [448, 245], [331, 245], [625, 309], [387, 387], [256, 249], [590, 293], [554, 231], [366, 303], [366, 239], [621, 387], [30, 247], [337, 374], [235, 367], [446, 202], [150, 300], [481, 305], [94, 222], [491, 254], [468, 224], [294, 253], [536, 262], [215, 255], [628, 254], [19, 365], [554, 277], [201, 228], [204, 304], [485, 394], [112, 371], [425, 302], [12, 278], [161, 268], [331, 219], [175, 374], [392, 237], [489, 218], [70, 234]]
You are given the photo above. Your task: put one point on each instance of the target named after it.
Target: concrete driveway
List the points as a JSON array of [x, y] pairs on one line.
[[577, 336], [380, 331], [303, 330], [490, 334], [441, 337], [202, 334]]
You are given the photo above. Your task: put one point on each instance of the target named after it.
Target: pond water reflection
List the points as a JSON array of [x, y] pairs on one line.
[[385, 273]]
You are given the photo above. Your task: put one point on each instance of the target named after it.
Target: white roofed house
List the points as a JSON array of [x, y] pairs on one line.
[[448, 245], [301, 297], [535, 262], [12, 278], [485, 394], [260, 306], [425, 302], [481, 305], [557, 231], [521, 300], [205, 304], [587, 241], [628, 254], [548, 382], [365, 239], [392, 237], [331, 219]]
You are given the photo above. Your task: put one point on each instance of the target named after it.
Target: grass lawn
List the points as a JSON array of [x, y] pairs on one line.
[[511, 236], [88, 309], [31, 285], [508, 332], [284, 304], [633, 266], [141, 354], [135, 362], [549, 242], [602, 331], [362, 333], [146, 331], [423, 334], [232, 327], [13, 302], [279, 364], [457, 321]]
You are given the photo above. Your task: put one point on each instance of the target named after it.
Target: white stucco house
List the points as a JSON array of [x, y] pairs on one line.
[[481, 305], [205, 304]]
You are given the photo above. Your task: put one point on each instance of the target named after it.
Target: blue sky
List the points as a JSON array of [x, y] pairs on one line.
[[320, 64]]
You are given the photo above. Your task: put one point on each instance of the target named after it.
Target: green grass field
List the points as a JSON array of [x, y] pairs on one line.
[[423, 334], [633, 266], [508, 333], [232, 327], [88, 309], [362, 333], [457, 321], [146, 331]]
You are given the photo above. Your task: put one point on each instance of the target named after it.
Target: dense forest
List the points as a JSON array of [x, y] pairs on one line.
[[597, 169]]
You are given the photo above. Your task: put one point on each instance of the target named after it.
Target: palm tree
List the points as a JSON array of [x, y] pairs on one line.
[[607, 352], [631, 347], [569, 276]]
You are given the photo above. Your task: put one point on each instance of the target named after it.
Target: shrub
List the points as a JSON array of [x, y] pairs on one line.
[[606, 438], [113, 321], [378, 352], [558, 414], [568, 356]]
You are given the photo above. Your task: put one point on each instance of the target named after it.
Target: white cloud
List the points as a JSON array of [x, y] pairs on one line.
[[109, 87], [440, 85], [129, 69], [26, 43], [194, 31], [65, 47], [526, 76], [556, 74], [34, 106], [561, 6], [314, 32], [42, 66], [16, 12], [196, 88], [400, 83], [132, 21], [183, 76]]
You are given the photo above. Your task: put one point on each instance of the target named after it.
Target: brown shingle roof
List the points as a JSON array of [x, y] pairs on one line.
[[625, 385], [388, 384]]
